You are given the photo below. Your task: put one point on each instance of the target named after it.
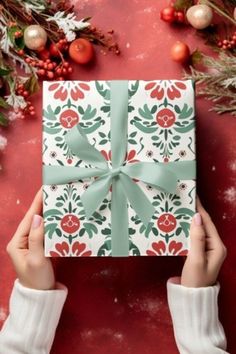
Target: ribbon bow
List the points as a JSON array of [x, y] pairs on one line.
[[163, 176]]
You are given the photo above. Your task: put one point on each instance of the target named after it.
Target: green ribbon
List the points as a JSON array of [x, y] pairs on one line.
[[163, 176]]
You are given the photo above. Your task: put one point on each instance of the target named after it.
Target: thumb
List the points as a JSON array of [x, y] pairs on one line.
[[36, 235], [197, 238]]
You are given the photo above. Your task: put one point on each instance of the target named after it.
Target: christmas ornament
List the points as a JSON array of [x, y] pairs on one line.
[[199, 16], [81, 51], [35, 37], [168, 14], [180, 52]]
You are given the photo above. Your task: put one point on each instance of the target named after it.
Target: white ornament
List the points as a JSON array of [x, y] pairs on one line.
[[35, 37], [199, 16]]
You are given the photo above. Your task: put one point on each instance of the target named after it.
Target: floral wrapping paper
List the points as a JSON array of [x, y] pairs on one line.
[[161, 128]]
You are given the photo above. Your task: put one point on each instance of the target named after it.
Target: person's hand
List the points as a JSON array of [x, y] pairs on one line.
[[207, 252], [33, 269]]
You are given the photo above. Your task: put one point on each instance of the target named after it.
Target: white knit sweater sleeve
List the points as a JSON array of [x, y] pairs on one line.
[[194, 313], [32, 321]]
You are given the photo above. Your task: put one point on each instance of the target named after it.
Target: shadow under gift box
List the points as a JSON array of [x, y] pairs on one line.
[[119, 167]]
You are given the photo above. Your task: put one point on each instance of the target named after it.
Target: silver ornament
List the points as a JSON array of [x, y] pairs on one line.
[[35, 37], [199, 16]]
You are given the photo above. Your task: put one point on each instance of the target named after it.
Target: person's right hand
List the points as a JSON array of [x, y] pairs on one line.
[[26, 250], [207, 252]]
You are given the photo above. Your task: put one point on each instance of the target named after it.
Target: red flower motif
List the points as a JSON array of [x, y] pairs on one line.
[[69, 118], [73, 89], [70, 223], [129, 156], [162, 249], [166, 222], [77, 250], [171, 88], [165, 118]]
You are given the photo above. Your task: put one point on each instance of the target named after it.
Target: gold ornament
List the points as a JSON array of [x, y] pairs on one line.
[[35, 37], [199, 16]]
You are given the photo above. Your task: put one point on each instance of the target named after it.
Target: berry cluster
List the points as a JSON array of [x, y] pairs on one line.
[[29, 109], [229, 43], [50, 69]]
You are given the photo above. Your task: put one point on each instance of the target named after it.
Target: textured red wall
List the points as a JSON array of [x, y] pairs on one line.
[[119, 305]]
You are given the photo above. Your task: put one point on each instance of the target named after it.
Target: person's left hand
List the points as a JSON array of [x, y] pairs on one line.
[[33, 269]]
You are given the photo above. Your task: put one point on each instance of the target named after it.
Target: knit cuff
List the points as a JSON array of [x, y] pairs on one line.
[[33, 318], [194, 313]]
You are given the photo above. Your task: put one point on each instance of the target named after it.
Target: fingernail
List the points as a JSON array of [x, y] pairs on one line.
[[36, 221], [197, 219]]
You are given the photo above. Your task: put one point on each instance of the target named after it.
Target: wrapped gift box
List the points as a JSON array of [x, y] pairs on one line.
[[118, 167]]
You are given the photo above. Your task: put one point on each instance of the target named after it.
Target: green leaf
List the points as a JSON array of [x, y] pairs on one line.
[[102, 135], [51, 212], [59, 204], [185, 226], [5, 71], [103, 92], [145, 112], [58, 232], [177, 109], [185, 129], [105, 109], [132, 141], [144, 129], [50, 229], [89, 113], [17, 42], [57, 110], [80, 110], [186, 112], [106, 231], [32, 84], [184, 211], [134, 88], [89, 130], [48, 113], [81, 232], [3, 120], [132, 135], [103, 141]]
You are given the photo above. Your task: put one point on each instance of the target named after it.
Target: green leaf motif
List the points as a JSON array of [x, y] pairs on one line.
[[186, 129], [50, 229], [184, 211], [51, 212], [145, 112], [186, 112], [89, 113], [49, 114], [102, 91], [144, 129]]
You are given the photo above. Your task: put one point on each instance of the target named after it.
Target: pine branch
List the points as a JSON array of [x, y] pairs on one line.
[[217, 81]]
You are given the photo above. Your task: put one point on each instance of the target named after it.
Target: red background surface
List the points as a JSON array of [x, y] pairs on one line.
[[120, 305]]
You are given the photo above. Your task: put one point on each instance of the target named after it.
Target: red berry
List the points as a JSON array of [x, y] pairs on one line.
[[27, 60], [168, 14], [70, 70], [50, 74], [58, 71], [179, 15], [25, 93], [44, 54], [32, 113], [21, 52], [41, 72], [66, 64], [50, 66], [54, 50]]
